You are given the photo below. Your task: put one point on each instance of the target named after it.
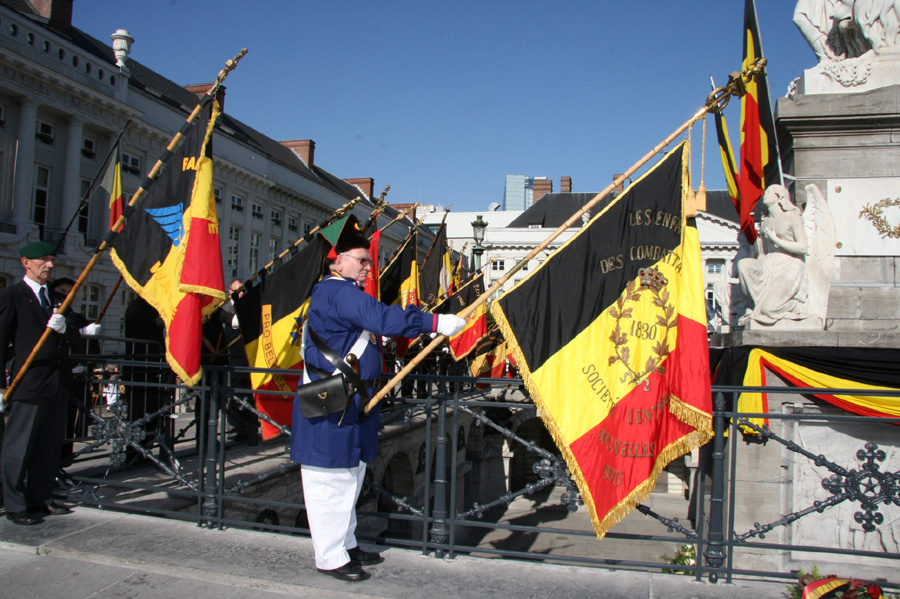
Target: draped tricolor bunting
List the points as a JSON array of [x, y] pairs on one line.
[[609, 334], [270, 313], [848, 368], [169, 253]]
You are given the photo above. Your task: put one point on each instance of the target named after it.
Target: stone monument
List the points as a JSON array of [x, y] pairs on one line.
[[837, 132]]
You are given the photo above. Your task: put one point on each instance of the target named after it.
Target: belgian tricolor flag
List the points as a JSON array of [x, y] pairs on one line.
[[609, 334], [434, 276], [399, 282], [476, 323], [760, 166], [271, 314], [111, 184], [400, 279], [168, 251]]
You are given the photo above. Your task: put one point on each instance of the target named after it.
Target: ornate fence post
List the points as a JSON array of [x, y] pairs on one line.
[[715, 554], [209, 419], [439, 531]]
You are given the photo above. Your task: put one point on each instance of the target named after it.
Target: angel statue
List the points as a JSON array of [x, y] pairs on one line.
[[788, 281]]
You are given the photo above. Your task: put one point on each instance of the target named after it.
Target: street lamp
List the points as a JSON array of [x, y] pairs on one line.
[[478, 228]]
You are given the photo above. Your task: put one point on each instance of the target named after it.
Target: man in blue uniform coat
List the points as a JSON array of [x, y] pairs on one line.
[[333, 454]]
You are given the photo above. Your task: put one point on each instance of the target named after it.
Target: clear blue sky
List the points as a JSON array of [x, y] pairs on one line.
[[442, 99]]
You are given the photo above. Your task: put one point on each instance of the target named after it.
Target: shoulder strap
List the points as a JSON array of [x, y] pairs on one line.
[[338, 362]]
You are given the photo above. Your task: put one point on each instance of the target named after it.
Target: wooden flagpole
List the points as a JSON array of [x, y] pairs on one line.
[[148, 181], [312, 232], [715, 102]]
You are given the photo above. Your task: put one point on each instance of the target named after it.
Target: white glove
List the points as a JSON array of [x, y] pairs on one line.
[[449, 324], [57, 322], [234, 322], [91, 330], [2, 404]]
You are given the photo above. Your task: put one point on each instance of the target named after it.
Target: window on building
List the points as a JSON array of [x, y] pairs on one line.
[[217, 193], [44, 133], [84, 215], [237, 203], [274, 245], [256, 210], [4, 280], [292, 223], [715, 267], [90, 300], [525, 266], [254, 251], [276, 218], [2, 116], [307, 227], [131, 164], [498, 265], [234, 249], [41, 194], [88, 148]]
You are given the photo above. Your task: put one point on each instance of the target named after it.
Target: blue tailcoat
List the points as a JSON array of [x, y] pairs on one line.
[[338, 312]]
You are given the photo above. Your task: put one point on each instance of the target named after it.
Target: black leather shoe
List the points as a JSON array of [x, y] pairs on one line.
[[364, 558], [23, 518], [51, 509], [350, 572]]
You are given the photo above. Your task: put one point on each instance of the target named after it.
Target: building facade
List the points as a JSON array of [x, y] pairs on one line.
[[65, 97]]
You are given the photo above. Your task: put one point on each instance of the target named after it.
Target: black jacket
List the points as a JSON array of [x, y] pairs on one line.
[[22, 322]]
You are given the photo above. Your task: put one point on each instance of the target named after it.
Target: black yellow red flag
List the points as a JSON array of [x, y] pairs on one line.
[[728, 164], [609, 335], [111, 184], [271, 314], [476, 327], [168, 252], [400, 279], [488, 358], [399, 282], [434, 276], [760, 165]]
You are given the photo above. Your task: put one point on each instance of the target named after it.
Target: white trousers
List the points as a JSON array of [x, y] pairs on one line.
[[330, 495]]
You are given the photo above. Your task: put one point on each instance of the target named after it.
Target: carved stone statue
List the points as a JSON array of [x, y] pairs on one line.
[[837, 30], [788, 266]]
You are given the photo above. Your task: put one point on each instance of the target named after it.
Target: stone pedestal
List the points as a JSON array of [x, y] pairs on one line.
[[847, 143]]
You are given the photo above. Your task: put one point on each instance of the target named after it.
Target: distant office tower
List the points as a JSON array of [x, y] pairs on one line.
[[519, 191]]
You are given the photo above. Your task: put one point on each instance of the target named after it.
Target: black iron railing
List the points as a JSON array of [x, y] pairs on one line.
[[469, 470]]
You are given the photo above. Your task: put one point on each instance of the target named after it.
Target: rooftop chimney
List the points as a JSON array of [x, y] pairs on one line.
[[58, 12], [366, 184], [200, 89], [541, 187], [565, 184], [304, 148]]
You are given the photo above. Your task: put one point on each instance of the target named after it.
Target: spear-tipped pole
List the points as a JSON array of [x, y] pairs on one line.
[[715, 102], [380, 205], [402, 244], [123, 218], [409, 210], [468, 280], [340, 212]]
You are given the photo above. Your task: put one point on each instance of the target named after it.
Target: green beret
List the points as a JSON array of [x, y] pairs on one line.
[[37, 249]]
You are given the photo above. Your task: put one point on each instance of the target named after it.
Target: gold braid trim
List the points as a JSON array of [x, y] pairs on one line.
[[684, 412]]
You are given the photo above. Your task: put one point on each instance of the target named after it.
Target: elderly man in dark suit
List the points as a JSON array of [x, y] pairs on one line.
[[36, 423]]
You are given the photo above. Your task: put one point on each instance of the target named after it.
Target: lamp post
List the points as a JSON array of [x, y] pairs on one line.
[[478, 228]]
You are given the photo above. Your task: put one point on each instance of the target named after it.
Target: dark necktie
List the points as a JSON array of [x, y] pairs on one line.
[[45, 302]]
